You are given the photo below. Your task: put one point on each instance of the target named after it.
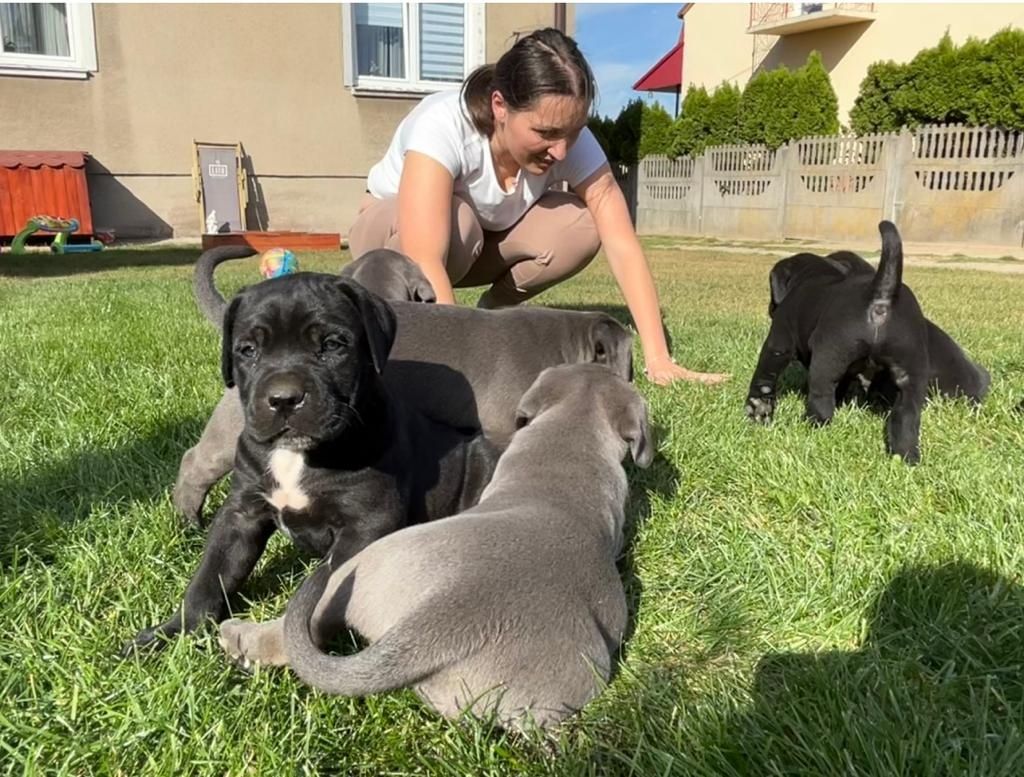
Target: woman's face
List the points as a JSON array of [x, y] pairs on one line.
[[543, 133]]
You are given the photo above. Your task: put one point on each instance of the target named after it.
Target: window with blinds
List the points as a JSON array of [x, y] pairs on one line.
[[442, 42], [423, 45]]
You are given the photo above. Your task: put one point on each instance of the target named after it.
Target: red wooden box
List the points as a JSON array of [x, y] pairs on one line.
[[43, 183]]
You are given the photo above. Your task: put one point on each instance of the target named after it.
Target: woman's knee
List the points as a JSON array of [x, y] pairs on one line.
[[374, 227], [567, 238]]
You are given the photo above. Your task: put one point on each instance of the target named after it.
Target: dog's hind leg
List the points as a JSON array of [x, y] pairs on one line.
[[826, 372], [210, 459], [903, 427]]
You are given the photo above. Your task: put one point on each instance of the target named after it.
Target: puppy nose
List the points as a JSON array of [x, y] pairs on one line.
[[285, 396]]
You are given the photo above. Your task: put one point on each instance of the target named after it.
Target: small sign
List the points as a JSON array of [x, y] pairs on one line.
[[217, 171]]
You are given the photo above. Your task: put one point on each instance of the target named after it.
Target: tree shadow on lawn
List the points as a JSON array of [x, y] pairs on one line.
[[936, 687], [38, 508], [47, 265]]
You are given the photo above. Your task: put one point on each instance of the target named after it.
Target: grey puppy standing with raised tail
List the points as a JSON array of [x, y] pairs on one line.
[[463, 367], [512, 607]]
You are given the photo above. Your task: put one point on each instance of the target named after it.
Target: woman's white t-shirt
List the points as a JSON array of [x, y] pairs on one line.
[[439, 128]]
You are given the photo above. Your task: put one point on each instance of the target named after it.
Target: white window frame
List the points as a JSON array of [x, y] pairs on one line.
[[81, 59], [474, 43]]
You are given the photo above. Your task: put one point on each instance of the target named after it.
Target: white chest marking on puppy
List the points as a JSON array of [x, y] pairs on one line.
[[286, 468]]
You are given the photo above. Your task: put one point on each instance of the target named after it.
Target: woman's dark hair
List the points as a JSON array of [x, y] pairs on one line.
[[545, 62]]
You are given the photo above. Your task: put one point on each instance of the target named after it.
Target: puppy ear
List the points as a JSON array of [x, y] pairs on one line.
[[612, 346], [635, 429], [379, 321], [227, 345], [531, 403], [528, 408], [778, 282], [423, 291]]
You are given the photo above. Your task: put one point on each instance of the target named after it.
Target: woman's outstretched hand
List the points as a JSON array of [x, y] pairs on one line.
[[666, 371]]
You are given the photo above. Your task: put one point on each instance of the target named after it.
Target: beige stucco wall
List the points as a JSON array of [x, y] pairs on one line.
[[717, 46], [270, 76]]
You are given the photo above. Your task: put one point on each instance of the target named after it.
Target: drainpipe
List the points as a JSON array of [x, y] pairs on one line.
[[560, 17]]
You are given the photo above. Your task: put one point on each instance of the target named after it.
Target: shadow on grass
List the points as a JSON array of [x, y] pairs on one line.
[[47, 265], [660, 480], [937, 687], [37, 508]]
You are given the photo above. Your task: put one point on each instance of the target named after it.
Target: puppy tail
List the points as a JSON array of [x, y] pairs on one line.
[[889, 277], [211, 303], [394, 661]]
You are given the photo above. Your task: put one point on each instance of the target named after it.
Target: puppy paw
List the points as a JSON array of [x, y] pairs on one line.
[[760, 409], [191, 514], [148, 641], [248, 643]]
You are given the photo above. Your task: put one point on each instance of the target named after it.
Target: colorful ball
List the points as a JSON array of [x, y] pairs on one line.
[[275, 262]]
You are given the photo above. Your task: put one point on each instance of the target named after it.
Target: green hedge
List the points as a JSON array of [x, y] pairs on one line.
[[639, 130], [707, 120], [781, 105], [979, 84], [776, 106]]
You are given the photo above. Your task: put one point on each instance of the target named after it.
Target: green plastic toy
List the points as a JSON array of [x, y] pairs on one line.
[[61, 227]]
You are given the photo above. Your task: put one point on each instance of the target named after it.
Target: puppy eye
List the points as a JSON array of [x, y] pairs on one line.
[[248, 350], [332, 344]]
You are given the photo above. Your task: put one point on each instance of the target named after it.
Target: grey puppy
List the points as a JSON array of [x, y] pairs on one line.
[[513, 607], [460, 366], [391, 276], [388, 274]]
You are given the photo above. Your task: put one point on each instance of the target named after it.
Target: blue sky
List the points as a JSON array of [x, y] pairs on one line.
[[621, 41]]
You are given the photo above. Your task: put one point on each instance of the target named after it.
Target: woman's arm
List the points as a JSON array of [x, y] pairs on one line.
[[424, 219], [606, 204]]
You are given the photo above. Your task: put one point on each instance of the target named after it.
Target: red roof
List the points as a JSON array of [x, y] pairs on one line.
[[36, 159], [666, 75]]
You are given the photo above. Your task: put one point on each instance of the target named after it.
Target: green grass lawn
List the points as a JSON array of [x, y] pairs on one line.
[[802, 603]]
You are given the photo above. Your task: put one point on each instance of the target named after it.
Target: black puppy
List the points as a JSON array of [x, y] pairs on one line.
[[327, 453], [950, 372], [843, 320]]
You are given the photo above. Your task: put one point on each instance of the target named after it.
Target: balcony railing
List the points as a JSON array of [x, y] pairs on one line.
[[790, 18]]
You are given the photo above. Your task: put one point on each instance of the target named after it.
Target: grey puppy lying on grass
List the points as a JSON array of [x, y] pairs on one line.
[[460, 366], [513, 607]]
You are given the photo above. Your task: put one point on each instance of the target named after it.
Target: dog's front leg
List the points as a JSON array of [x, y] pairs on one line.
[[776, 354], [210, 459], [903, 427], [236, 541]]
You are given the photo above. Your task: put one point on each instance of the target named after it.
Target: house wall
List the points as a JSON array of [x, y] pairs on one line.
[[268, 75]]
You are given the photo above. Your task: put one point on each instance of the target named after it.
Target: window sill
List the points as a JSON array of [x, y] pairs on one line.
[[400, 90], [38, 72]]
